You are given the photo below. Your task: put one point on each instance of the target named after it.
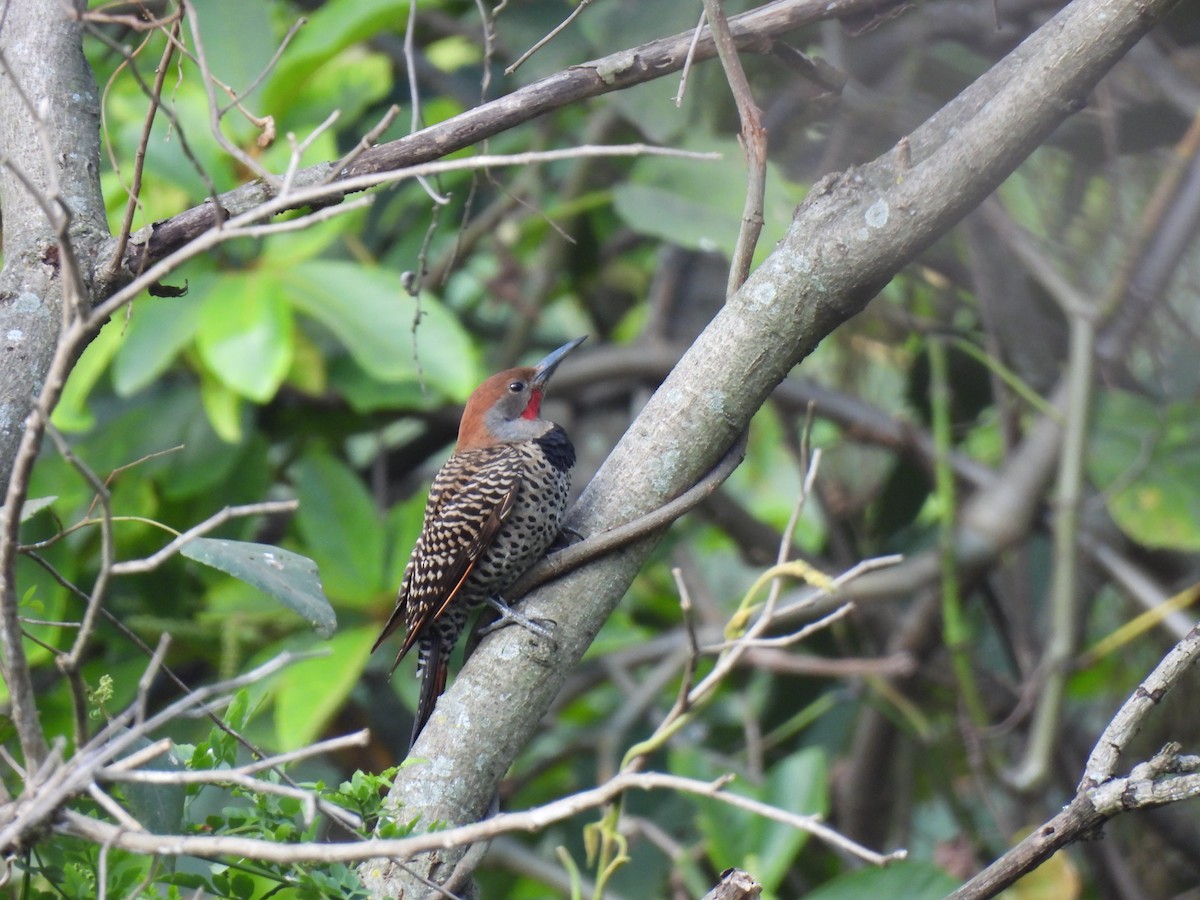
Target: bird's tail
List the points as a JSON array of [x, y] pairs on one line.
[[435, 666]]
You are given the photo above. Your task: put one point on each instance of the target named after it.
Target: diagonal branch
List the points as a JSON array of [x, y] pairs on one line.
[[852, 234]]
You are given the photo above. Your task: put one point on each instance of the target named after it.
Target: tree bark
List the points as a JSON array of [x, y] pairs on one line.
[[854, 232], [50, 154]]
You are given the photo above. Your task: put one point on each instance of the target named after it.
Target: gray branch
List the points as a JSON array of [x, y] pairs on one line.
[[53, 214], [855, 231]]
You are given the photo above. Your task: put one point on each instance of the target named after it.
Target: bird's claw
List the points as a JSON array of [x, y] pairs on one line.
[[541, 628]]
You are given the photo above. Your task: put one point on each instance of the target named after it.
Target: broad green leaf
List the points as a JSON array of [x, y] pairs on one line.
[[911, 880], [288, 577], [403, 525], [223, 408], [31, 508], [366, 394], [371, 314], [309, 372], [72, 413], [330, 29], [158, 807], [245, 336], [736, 837], [158, 332], [239, 41], [661, 199], [350, 83], [341, 527], [1145, 459], [205, 460], [309, 693]]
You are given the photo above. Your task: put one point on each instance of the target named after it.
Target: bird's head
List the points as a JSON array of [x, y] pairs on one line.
[[507, 407]]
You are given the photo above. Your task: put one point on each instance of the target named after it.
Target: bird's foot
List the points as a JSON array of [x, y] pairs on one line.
[[509, 616], [566, 537]]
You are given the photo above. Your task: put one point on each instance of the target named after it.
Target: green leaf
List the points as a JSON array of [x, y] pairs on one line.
[[341, 527], [223, 408], [245, 335], [158, 807], [661, 200], [910, 880], [403, 525], [239, 42], [371, 314], [31, 508], [72, 413], [1145, 458], [309, 693], [333, 27], [799, 784], [288, 577], [737, 837], [350, 83], [158, 332]]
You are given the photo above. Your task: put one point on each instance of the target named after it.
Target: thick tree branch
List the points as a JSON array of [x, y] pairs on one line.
[[852, 234], [53, 216]]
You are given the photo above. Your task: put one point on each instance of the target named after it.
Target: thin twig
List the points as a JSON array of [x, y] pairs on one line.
[[687, 61], [554, 32], [139, 157], [216, 520], [752, 137], [533, 820]]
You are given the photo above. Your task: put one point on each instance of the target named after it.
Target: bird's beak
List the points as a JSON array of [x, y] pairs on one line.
[[543, 370]]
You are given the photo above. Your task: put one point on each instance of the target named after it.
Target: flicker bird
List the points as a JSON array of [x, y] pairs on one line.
[[493, 510]]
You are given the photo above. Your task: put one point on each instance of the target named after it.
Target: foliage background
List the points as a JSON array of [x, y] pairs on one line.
[[299, 366]]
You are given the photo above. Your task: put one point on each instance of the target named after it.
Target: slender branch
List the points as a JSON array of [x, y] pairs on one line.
[[752, 137], [1167, 777], [310, 194], [139, 157], [216, 520], [532, 820]]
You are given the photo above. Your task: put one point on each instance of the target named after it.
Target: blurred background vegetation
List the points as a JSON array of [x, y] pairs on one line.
[[301, 366]]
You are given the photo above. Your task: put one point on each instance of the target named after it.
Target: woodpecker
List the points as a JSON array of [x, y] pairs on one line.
[[493, 510]]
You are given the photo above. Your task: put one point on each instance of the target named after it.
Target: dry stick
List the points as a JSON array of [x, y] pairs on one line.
[[68, 664], [139, 157], [414, 94], [110, 275], [261, 76], [56, 781], [367, 141], [687, 62], [752, 137], [298, 149], [216, 520], [148, 564], [554, 32], [533, 820]]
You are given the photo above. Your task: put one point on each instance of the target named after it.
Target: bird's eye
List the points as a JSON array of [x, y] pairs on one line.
[[517, 386]]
